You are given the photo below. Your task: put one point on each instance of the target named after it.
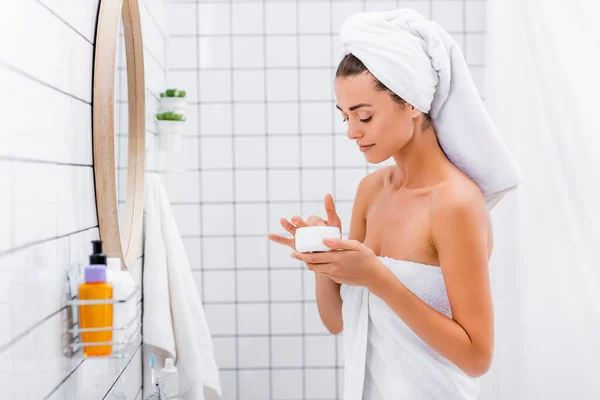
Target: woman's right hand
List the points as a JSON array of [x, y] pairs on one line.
[[332, 220]]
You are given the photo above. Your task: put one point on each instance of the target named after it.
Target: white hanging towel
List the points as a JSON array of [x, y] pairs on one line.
[[174, 324], [420, 62]]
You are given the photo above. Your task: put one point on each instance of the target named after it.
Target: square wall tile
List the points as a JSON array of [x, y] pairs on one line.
[[320, 351], [282, 85], [217, 186], [182, 52], [218, 252], [314, 17], [187, 218], [250, 185], [253, 352], [225, 352], [254, 385], [347, 153], [449, 14], [285, 318], [215, 86], [253, 285], [248, 52], [217, 219], [248, 85], [253, 319], [216, 153], [420, 6], [317, 151], [193, 250], [284, 185], [316, 117], [316, 183], [252, 252], [283, 118], [284, 151], [476, 16], [228, 384], [380, 5], [286, 285], [220, 318], [341, 10], [214, 52], [281, 17], [188, 157], [315, 51], [213, 18], [347, 181], [183, 186], [250, 152], [320, 384], [282, 51], [475, 49], [309, 285], [181, 19], [287, 384], [316, 84], [219, 286], [251, 219], [249, 119], [312, 319], [286, 351], [185, 80], [247, 18]]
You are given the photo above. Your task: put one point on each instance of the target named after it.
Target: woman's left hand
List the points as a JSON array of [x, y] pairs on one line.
[[350, 262]]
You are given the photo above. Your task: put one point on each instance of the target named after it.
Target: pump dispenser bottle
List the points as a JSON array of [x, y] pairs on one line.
[[95, 287]]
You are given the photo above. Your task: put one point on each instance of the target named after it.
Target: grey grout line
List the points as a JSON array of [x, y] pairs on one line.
[[138, 348], [42, 241], [267, 194], [51, 11], [39, 81]]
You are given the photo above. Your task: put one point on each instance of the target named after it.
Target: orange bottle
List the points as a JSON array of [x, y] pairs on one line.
[[95, 287]]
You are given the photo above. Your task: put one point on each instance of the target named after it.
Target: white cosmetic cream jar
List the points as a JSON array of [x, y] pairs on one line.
[[310, 238]]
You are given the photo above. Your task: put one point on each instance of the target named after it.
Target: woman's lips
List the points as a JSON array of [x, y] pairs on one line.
[[365, 148]]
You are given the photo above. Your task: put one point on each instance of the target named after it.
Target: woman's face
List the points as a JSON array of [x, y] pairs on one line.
[[380, 126]]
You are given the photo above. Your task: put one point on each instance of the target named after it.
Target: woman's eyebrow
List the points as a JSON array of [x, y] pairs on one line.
[[355, 107]]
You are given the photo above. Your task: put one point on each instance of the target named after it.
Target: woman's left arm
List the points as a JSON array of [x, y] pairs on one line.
[[460, 233]]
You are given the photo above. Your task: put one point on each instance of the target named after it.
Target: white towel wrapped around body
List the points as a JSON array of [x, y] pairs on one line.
[[420, 62], [385, 359]]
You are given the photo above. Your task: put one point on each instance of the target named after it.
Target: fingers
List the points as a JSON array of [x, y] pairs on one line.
[[339, 244], [299, 222], [288, 226], [332, 217], [313, 220], [283, 240]]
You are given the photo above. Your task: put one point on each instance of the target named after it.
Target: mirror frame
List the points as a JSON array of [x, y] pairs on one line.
[[111, 13]]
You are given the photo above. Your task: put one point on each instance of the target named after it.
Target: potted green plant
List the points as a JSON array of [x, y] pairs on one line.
[[170, 129], [173, 100]]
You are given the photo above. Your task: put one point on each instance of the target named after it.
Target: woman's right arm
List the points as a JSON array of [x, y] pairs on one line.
[[329, 300]]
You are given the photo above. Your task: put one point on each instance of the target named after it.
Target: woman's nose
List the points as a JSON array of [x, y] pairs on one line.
[[353, 132]]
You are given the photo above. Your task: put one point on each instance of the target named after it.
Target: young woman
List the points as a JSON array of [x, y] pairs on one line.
[[410, 289]]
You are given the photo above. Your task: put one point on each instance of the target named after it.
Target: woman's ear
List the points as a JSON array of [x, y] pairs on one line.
[[414, 113]]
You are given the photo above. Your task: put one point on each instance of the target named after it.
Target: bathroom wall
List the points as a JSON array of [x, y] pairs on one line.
[[47, 203], [265, 141]]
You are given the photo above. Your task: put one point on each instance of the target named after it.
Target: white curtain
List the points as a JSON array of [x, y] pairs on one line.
[[542, 90]]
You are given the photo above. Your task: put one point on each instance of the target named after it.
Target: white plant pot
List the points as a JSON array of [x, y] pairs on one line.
[[170, 135], [175, 104]]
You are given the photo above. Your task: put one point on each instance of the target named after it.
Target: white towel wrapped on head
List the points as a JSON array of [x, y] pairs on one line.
[[420, 62]]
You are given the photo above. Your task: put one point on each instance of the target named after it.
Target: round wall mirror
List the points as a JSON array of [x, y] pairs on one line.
[[119, 128]]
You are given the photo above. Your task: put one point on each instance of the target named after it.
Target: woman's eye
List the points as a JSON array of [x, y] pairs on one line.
[[366, 119]]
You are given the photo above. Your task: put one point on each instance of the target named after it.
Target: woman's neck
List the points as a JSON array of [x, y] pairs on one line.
[[421, 162]]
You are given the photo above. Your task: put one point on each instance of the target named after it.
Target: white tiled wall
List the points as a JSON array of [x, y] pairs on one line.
[[266, 141], [47, 202]]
